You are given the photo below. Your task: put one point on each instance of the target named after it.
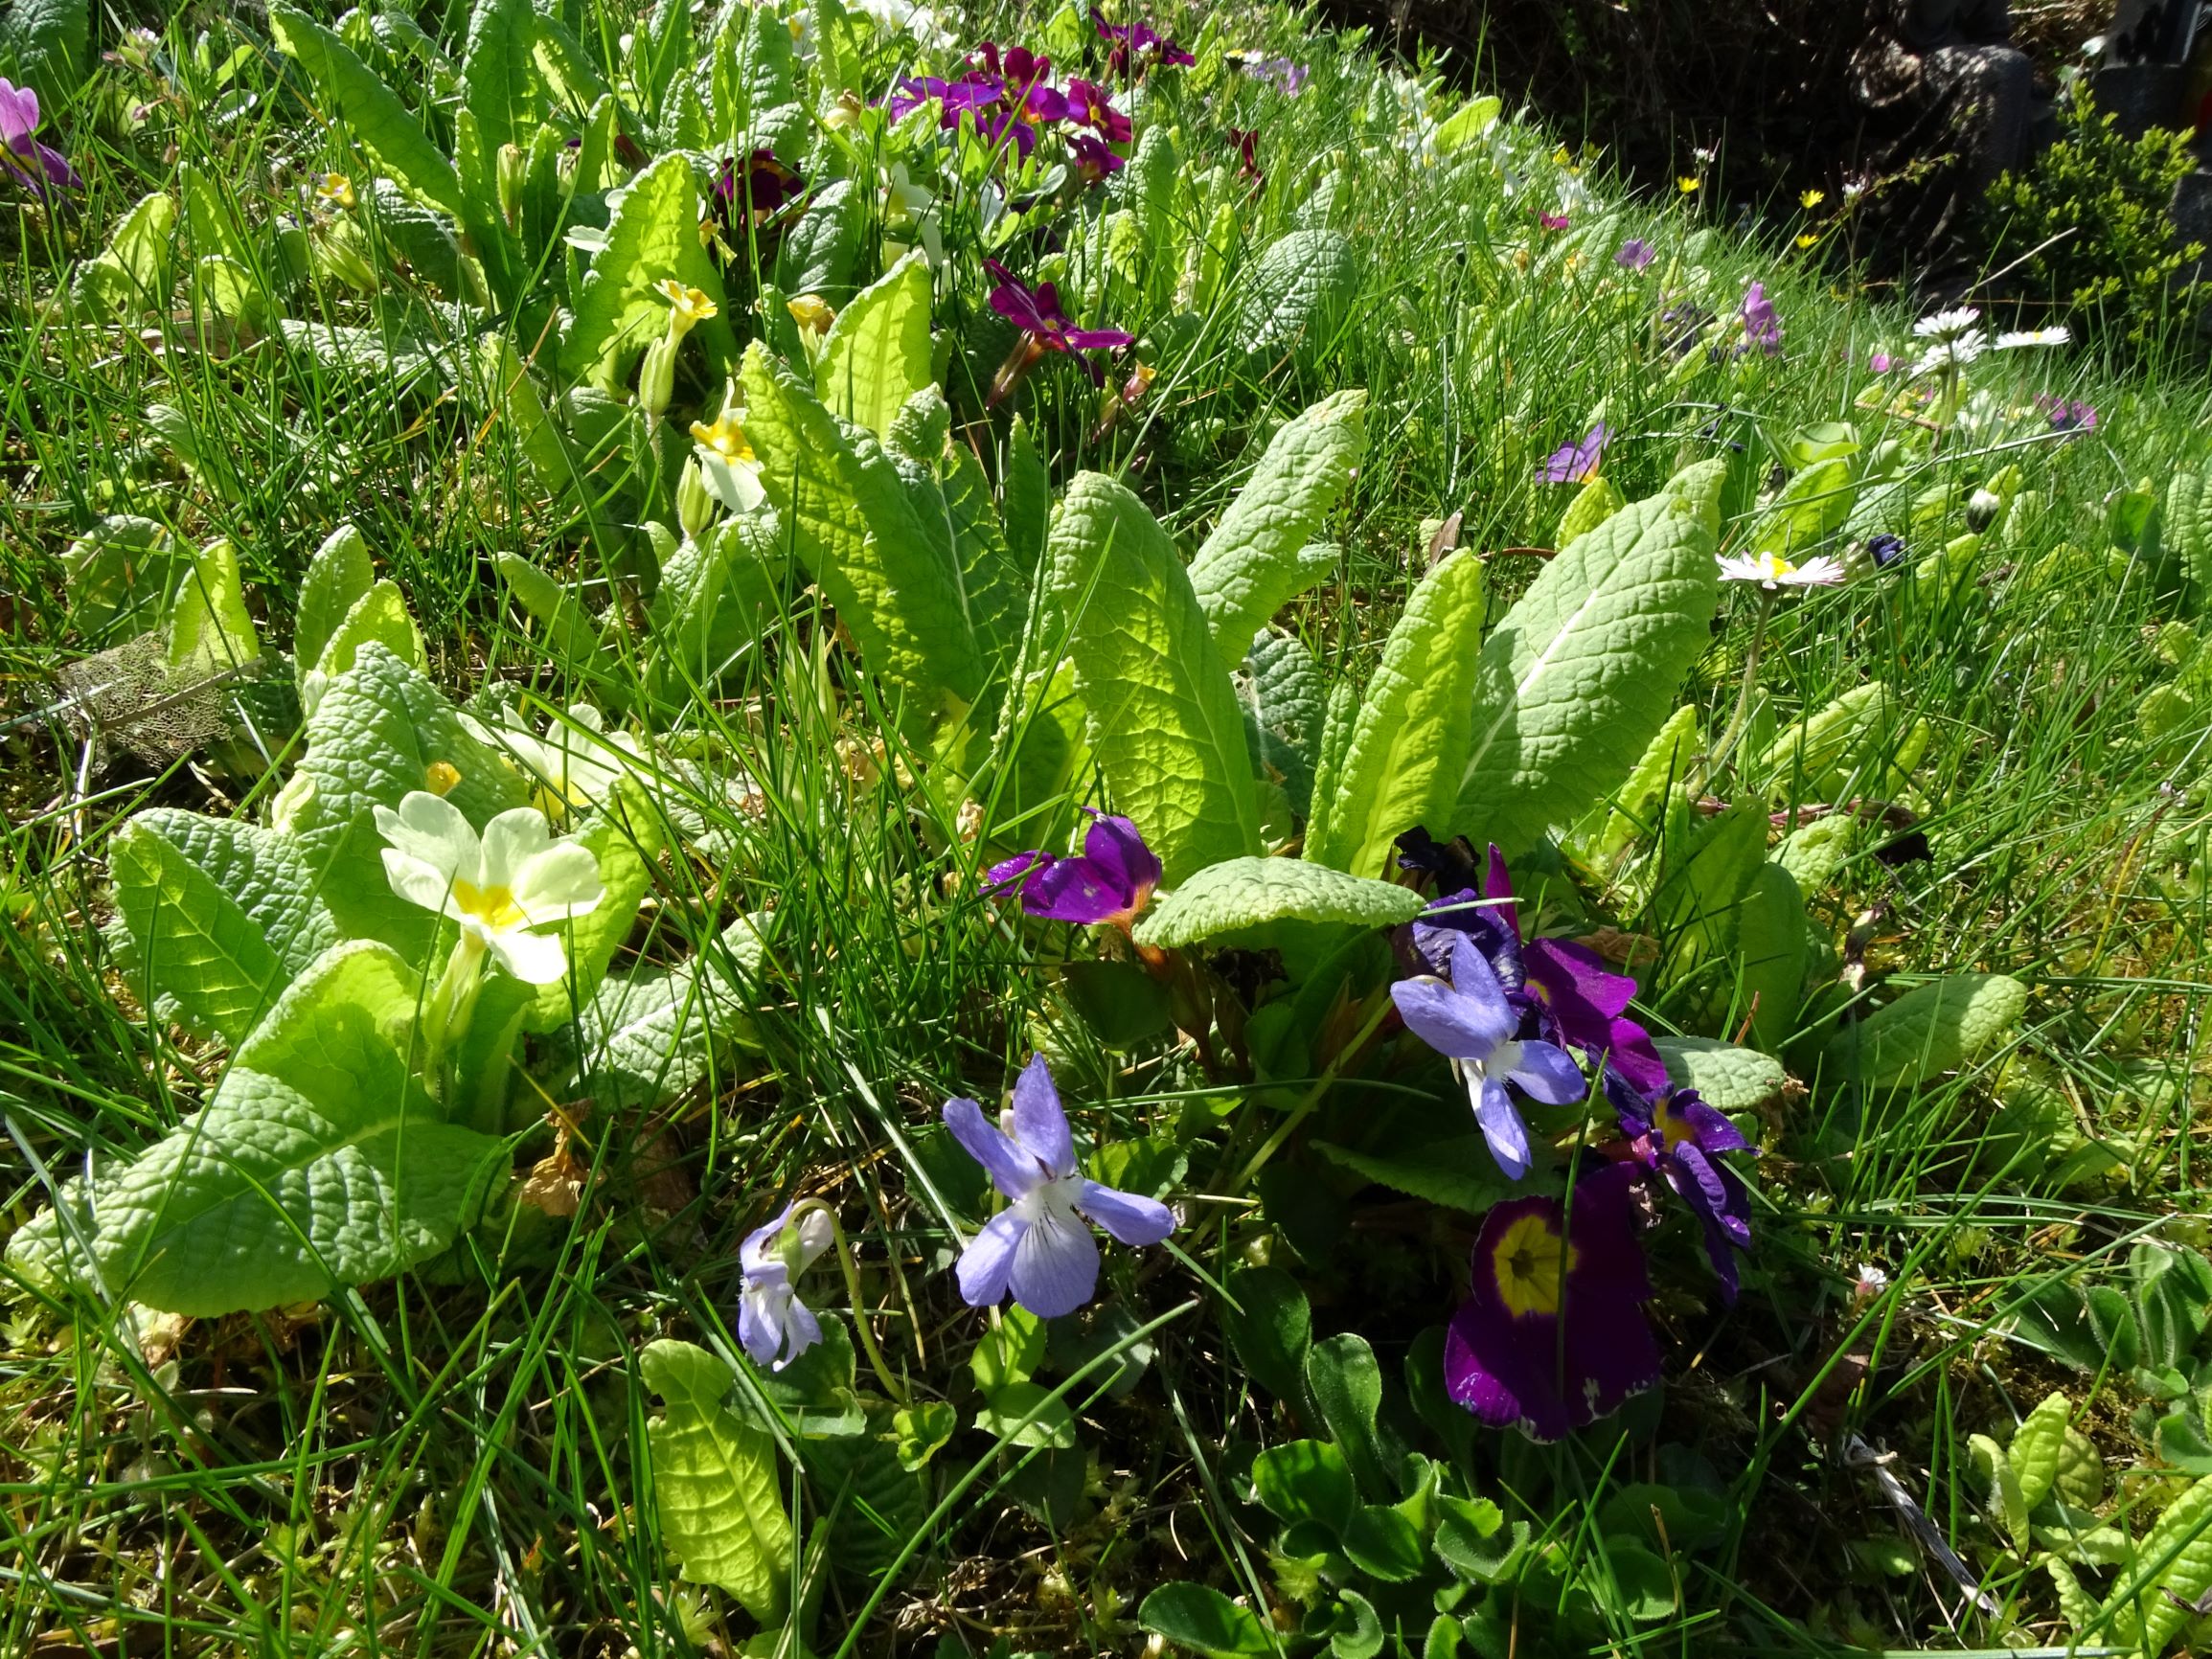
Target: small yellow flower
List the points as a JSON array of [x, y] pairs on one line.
[[1806, 240], [1812, 198], [336, 190], [687, 306], [811, 311], [1687, 185], [1562, 156], [725, 438]]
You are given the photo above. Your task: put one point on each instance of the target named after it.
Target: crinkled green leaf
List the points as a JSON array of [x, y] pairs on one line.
[[1286, 698], [1731, 1078], [876, 354], [1582, 673], [120, 573], [1203, 1620], [209, 629], [716, 1484], [44, 45], [1239, 893], [498, 80], [384, 125], [1296, 291], [1158, 704], [318, 1162], [1457, 1172], [1408, 745], [1596, 501], [338, 578], [1256, 560], [1933, 1029], [1306, 1480], [221, 915], [1810, 508], [2038, 1445], [1770, 941], [654, 235], [378, 617], [647, 1038], [891, 573], [2173, 1558], [131, 273]]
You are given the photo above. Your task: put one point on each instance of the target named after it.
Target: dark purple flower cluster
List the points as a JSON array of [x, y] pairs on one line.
[[756, 188], [1009, 96], [1552, 1335], [2067, 415], [1136, 47]]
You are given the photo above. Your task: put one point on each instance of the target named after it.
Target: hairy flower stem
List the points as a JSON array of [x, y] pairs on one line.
[[452, 1005], [891, 1386], [1741, 718]]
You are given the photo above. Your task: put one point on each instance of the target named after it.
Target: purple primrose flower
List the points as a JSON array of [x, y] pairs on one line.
[[1094, 163], [1110, 881], [1044, 328], [1137, 45], [2067, 415], [1762, 325], [1572, 462], [758, 187], [1635, 255], [1676, 1134], [1087, 104], [1552, 222], [774, 1327], [1040, 1245], [1471, 1021], [1552, 1335], [22, 157]]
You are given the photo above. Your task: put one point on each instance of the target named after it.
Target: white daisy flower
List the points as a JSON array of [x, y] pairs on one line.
[[1954, 354], [1771, 571], [2014, 338], [1947, 325], [499, 887]]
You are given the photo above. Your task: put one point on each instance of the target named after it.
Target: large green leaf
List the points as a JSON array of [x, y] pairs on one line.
[[1581, 674], [318, 1162], [385, 127], [654, 235], [1810, 508], [221, 915], [2188, 536], [876, 354], [1933, 1028], [43, 45], [716, 1482], [891, 571], [1239, 893], [338, 578], [2172, 1568], [131, 273], [1730, 1078], [647, 1038], [209, 629], [1201, 1619], [1408, 742], [1294, 293], [1158, 705], [498, 81], [1258, 558], [1286, 698], [625, 837]]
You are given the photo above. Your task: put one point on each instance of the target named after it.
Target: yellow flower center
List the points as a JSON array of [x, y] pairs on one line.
[[1673, 1130], [1532, 1262], [726, 438], [1773, 567], [494, 907], [811, 311], [690, 304], [440, 777]]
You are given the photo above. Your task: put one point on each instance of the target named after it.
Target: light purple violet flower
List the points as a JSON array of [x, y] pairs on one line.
[[1554, 1336], [1573, 463], [1636, 255], [1040, 1245], [1762, 325], [1110, 881], [1470, 1021], [22, 157], [774, 1327]]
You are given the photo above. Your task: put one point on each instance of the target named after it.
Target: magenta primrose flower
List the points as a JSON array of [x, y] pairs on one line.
[[1245, 141], [1094, 163], [1573, 463], [1044, 328], [1040, 1245], [1110, 881], [1762, 325], [1089, 104], [1552, 222], [1552, 1335], [2067, 415], [22, 157], [1137, 46]]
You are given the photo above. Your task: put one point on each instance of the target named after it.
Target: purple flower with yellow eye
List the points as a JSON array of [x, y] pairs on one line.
[[1110, 881], [756, 187], [1573, 463], [1040, 1245], [1676, 1134], [1088, 104], [1094, 163], [1553, 1336], [1137, 46], [1044, 328], [22, 157], [1470, 1020], [1576, 1000]]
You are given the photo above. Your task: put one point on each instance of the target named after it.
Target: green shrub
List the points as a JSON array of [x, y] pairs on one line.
[[2089, 224]]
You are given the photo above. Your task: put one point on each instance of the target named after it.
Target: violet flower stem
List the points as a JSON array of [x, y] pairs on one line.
[[895, 1389]]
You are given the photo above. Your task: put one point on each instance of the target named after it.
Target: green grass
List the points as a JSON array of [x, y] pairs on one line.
[[453, 1462]]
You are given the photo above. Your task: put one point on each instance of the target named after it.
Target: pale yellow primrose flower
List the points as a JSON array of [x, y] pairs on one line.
[[811, 311], [726, 440], [688, 307], [575, 764], [336, 190], [499, 887]]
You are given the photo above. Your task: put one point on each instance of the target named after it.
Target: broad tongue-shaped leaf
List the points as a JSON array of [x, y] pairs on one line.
[[654, 235], [876, 354], [320, 1161], [1158, 705]]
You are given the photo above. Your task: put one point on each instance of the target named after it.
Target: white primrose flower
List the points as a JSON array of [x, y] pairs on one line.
[[1772, 572], [500, 887], [575, 764], [2014, 338]]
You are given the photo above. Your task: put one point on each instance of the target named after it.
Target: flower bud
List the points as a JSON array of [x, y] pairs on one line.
[[514, 168], [656, 375], [1982, 508], [694, 501]]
